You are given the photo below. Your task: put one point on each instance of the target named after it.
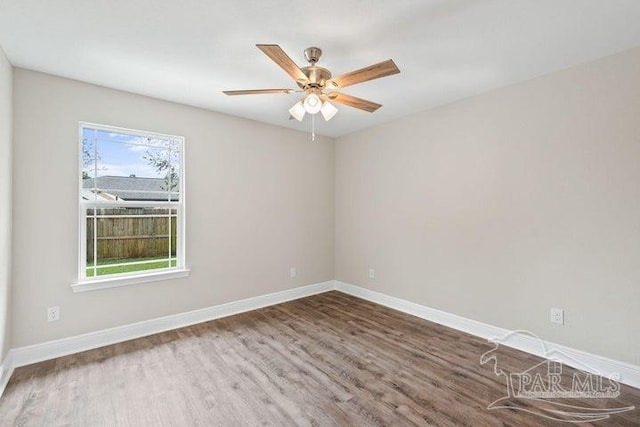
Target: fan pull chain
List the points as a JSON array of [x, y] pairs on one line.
[[313, 127]]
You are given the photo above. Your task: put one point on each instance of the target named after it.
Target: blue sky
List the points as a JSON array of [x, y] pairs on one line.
[[122, 155]]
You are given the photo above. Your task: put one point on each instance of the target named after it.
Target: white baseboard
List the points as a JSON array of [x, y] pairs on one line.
[[27, 355], [599, 365], [6, 369]]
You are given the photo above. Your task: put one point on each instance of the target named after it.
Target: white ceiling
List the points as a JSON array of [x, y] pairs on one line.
[[188, 51]]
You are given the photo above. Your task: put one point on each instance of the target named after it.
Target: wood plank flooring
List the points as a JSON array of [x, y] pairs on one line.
[[325, 360]]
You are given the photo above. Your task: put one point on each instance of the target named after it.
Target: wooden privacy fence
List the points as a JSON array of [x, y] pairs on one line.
[[125, 233]]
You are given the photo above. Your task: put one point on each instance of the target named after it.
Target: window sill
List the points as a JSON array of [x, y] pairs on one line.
[[112, 282]]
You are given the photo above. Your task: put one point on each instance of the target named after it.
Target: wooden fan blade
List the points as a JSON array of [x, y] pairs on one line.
[[382, 69], [257, 91], [352, 101], [279, 56]]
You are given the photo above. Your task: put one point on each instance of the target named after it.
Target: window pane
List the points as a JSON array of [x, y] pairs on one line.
[[123, 240], [118, 166]]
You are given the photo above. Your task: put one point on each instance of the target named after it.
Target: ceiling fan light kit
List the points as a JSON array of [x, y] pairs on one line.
[[312, 104], [318, 85]]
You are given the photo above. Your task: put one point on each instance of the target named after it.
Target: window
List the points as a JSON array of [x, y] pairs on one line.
[[131, 207]]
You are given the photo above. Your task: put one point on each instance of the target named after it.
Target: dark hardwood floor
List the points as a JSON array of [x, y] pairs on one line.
[[325, 360]]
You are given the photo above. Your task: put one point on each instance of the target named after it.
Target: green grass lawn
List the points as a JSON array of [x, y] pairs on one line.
[[104, 269]]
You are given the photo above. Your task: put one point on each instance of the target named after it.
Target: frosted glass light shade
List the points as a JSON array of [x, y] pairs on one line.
[[312, 103], [328, 110], [297, 111]]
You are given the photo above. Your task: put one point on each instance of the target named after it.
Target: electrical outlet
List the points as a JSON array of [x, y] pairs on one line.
[[53, 314], [557, 316], [293, 272], [372, 273]]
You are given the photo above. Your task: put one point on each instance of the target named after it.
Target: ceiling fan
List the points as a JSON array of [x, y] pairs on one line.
[[317, 84]]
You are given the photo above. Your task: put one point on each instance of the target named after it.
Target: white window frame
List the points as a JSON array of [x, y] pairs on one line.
[[87, 283]]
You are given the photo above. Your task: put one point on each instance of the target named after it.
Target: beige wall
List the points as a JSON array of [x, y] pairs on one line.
[[259, 200], [5, 202], [495, 208], [499, 207]]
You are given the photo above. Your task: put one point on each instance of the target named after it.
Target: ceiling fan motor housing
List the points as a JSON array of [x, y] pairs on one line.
[[316, 76]]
